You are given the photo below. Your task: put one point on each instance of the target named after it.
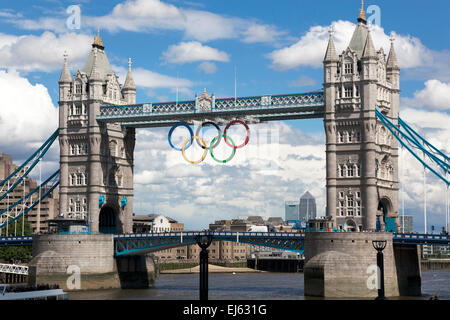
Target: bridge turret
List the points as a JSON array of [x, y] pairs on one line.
[[331, 63], [65, 81], [129, 87], [393, 76]]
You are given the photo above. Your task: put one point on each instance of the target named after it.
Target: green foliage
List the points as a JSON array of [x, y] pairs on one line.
[[16, 253]]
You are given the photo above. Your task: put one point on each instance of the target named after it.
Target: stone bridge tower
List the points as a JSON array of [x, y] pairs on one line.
[[96, 160], [361, 155]]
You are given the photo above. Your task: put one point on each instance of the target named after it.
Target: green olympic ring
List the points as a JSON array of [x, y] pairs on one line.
[[212, 145]]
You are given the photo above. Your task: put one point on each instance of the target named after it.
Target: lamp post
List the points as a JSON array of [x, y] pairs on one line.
[[204, 242], [379, 245]]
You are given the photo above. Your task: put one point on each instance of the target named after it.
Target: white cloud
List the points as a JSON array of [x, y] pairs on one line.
[[153, 80], [435, 96], [433, 126], [27, 114], [261, 33], [44, 52], [193, 51], [208, 67], [221, 191], [310, 49], [154, 15]]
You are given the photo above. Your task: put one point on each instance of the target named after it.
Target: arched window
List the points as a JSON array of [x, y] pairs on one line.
[[80, 179], [350, 171], [350, 136], [78, 87], [341, 170], [348, 67], [71, 148], [358, 170], [72, 179]]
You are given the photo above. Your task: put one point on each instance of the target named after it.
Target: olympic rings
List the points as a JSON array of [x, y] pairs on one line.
[[246, 128], [219, 132], [180, 124], [214, 143], [204, 153], [233, 152]]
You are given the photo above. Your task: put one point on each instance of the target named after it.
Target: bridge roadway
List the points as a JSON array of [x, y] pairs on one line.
[[129, 244]]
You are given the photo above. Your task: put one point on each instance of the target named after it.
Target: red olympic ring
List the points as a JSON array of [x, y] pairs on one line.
[[246, 128]]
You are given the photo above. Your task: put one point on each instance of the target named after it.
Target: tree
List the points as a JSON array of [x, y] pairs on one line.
[[16, 253]]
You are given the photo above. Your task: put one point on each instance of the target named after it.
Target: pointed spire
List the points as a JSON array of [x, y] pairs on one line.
[[65, 74], [331, 55], [95, 73], [362, 14], [392, 62], [98, 42], [129, 81], [369, 49]]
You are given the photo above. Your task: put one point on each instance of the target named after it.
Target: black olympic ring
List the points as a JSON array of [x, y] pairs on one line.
[[219, 133]]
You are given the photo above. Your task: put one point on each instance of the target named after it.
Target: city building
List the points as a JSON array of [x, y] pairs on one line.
[[155, 223], [291, 210], [307, 206], [40, 215], [406, 224]]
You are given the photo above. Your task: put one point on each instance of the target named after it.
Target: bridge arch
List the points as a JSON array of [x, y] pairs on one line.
[[385, 215], [107, 222], [350, 225]]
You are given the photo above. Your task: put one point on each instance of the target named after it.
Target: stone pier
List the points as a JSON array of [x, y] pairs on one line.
[[343, 265], [57, 259]]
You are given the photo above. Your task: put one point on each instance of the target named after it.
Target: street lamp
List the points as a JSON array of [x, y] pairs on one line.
[[203, 242], [379, 245]]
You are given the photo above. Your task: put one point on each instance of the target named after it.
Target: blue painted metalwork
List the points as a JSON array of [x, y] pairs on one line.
[[55, 182], [16, 241], [420, 239], [389, 224], [264, 108], [38, 155], [142, 243], [391, 127], [123, 202], [101, 200], [43, 184]]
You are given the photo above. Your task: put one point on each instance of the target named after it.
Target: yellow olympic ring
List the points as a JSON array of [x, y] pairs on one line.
[[204, 153]]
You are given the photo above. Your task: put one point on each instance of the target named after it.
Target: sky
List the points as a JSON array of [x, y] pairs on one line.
[[183, 47]]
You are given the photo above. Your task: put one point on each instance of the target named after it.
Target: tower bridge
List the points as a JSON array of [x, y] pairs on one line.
[[359, 103]]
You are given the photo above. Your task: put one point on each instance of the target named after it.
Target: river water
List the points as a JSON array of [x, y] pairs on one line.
[[243, 286]]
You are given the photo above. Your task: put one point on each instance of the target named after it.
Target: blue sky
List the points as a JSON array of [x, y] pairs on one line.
[[275, 47]]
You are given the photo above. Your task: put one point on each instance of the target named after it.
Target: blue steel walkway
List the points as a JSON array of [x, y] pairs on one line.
[[144, 243], [128, 244]]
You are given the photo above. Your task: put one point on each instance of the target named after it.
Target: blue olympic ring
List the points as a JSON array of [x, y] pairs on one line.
[[182, 124]]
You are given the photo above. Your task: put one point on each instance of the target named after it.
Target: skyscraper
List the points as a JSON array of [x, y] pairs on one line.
[[406, 224], [291, 209], [307, 206]]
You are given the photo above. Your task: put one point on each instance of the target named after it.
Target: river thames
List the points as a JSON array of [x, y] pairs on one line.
[[244, 286]]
